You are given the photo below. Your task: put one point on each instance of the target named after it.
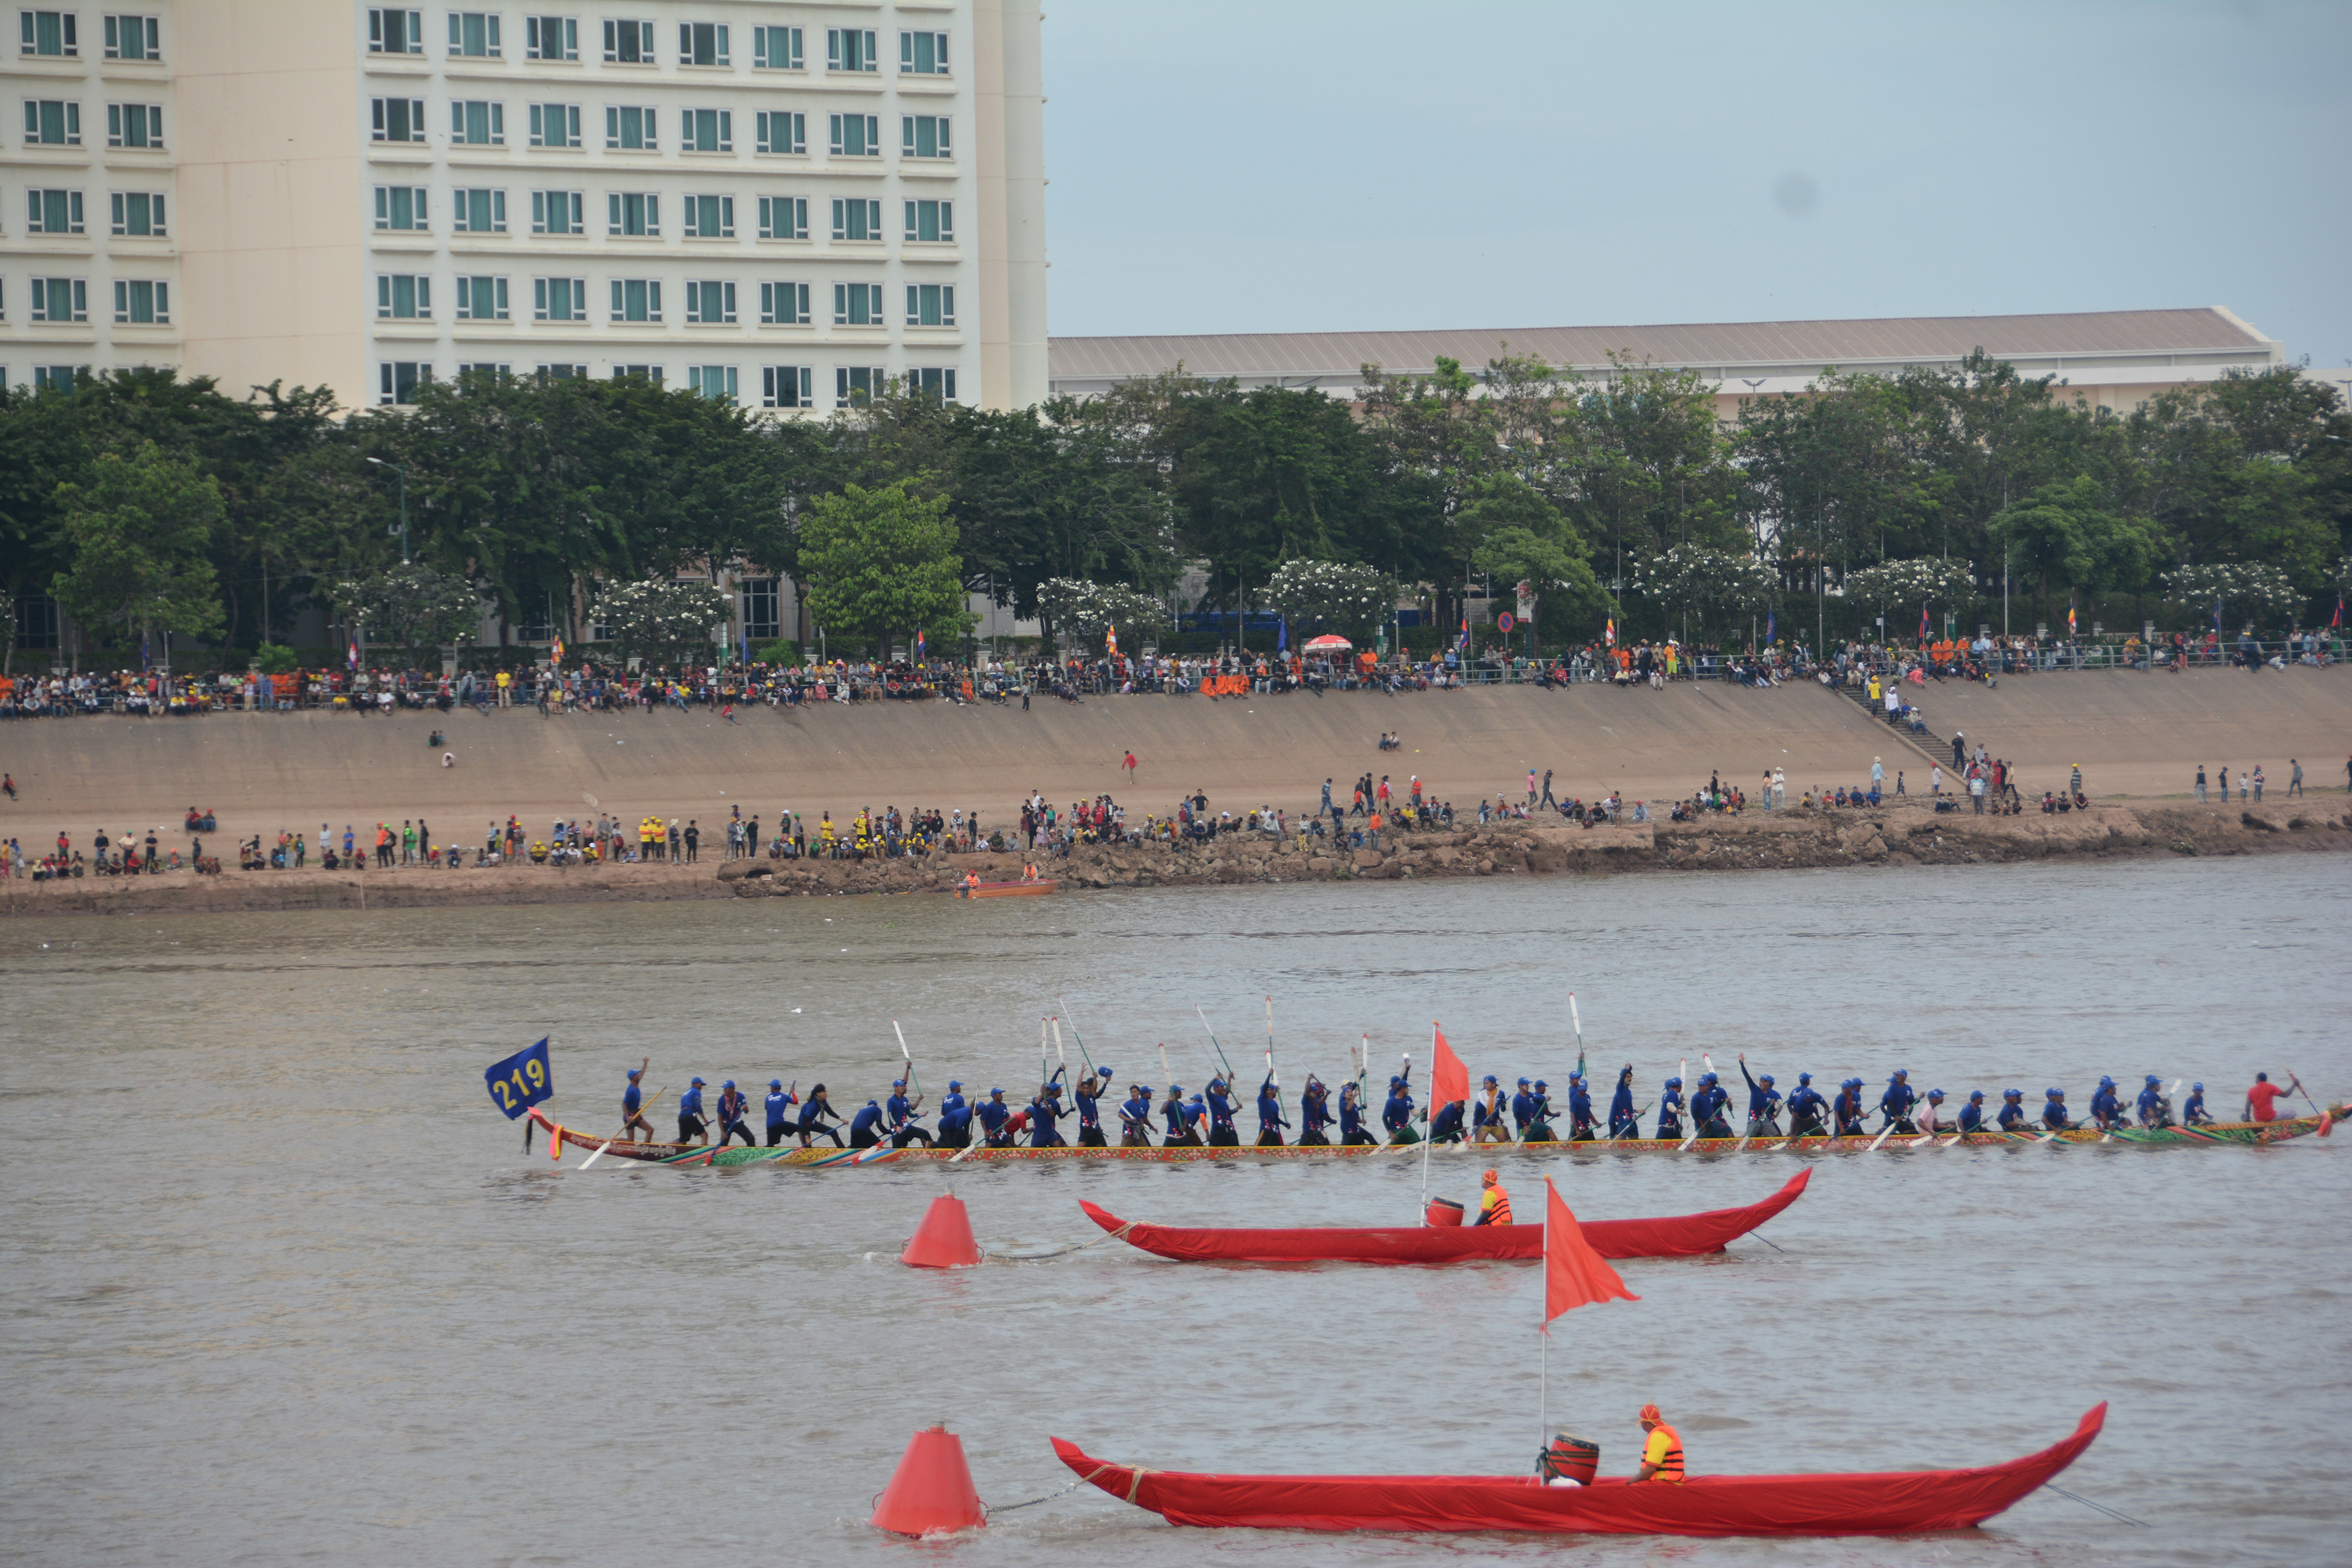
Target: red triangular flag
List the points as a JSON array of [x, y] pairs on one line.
[[1574, 1274], [1449, 1081]]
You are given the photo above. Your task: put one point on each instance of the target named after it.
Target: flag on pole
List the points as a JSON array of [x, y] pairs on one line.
[[352, 653], [1449, 1081], [2339, 618], [1282, 635], [1772, 624], [1610, 632], [1922, 623], [1574, 1274], [555, 650], [920, 643], [1462, 643], [1110, 636], [2070, 620]]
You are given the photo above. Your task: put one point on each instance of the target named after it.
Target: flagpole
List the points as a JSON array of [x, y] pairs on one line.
[[1431, 1122]]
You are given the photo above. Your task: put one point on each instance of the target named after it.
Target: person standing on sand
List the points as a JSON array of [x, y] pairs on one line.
[[2200, 781], [1934, 778], [2294, 780], [1129, 763]]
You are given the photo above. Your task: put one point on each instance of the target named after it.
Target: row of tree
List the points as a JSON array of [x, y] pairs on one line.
[[144, 503]]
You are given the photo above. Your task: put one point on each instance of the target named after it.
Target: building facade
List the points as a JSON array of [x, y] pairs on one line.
[[785, 204]]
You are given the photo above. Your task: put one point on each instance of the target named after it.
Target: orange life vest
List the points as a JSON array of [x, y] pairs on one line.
[[1669, 1463], [1495, 1206]]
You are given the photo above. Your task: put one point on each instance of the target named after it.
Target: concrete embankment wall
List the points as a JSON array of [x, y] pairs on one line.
[[2133, 735]]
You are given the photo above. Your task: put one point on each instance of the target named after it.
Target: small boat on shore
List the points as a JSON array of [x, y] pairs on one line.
[[1682, 1235], [1038, 888], [1882, 1503]]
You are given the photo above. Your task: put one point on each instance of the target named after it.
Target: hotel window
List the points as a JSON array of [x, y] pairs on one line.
[[473, 34], [400, 206], [857, 305], [776, 48], [706, 130], [854, 385], [652, 373], [787, 386], [849, 50], [559, 299], [923, 53], [924, 136], [555, 125], [54, 211], [134, 125], [560, 373], [479, 211], [631, 129], [781, 131], [703, 43], [134, 39], [783, 218], [855, 219], [475, 122], [137, 213], [49, 33], [402, 297], [395, 32], [784, 304], [857, 135], [483, 369], [481, 299], [713, 381], [711, 217], [932, 382], [57, 378], [142, 304], [928, 222], [636, 300], [52, 123], [629, 43], [930, 304], [711, 304], [558, 212], [399, 119], [632, 213], [551, 38], [763, 609], [398, 381]]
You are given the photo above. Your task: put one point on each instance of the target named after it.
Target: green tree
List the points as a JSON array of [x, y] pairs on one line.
[[1348, 594], [882, 563], [139, 530], [421, 605], [662, 619], [2067, 533]]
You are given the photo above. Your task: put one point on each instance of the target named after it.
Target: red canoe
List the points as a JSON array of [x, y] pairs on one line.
[[1683, 1236], [1882, 1504]]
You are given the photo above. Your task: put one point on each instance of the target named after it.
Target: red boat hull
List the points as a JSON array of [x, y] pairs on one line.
[[1864, 1504], [1682, 1235]]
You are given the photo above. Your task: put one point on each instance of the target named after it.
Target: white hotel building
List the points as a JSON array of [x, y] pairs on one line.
[[782, 203]]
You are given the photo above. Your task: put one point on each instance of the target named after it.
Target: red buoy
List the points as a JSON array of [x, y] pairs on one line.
[[944, 1240], [930, 1493]]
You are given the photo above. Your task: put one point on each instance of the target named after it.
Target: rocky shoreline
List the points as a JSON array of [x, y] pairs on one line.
[[1893, 835]]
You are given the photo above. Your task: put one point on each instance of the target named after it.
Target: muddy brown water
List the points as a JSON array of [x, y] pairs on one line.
[[280, 1286]]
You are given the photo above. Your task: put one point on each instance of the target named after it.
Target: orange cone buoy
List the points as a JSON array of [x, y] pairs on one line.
[[930, 1493], [943, 1240]]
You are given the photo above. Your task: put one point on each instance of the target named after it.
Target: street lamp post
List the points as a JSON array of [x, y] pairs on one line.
[[397, 468]]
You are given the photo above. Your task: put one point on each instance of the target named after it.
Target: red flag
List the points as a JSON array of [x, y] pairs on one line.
[[1449, 1081], [1574, 1274]]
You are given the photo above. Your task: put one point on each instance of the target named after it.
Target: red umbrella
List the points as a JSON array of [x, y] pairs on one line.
[[1329, 643]]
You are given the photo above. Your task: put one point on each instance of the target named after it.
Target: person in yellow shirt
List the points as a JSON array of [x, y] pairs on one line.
[[1494, 1204], [1662, 1450]]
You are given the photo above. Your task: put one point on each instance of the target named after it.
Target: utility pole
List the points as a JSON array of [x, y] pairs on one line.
[[397, 468]]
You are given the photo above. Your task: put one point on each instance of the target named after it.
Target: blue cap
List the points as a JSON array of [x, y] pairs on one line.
[[1490, 1078], [955, 1083], [691, 1085], [1523, 1083], [1674, 1083], [897, 1083], [1106, 1072], [1935, 1094], [1900, 1072], [2012, 1094], [2152, 1080], [1764, 1078], [2054, 1093], [2107, 1083], [1395, 1078], [1706, 1077], [729, 1084], [1804, 1077], [1053, 1089], [775, 1083], [1175, 1089], [2198, 1086], [1540, 1083], [1975, 1094], [1143, 1088], [996, 1091]]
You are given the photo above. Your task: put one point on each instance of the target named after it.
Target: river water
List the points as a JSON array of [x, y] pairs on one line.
[[280, 1286]]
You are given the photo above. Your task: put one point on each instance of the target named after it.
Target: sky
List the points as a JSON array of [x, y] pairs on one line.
[[1312, 165]]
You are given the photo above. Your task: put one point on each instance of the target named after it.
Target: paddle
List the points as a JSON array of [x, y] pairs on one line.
[[1891, 1121], [597, 1155], [1089, 1060], [1213, 1041], [2299, 1089]]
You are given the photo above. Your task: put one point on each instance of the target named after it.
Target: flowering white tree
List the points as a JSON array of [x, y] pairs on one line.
[[420, 606], [2249, 584], [1924, 580], [1343, 593], [1700, 580], [662, 619], [1084, 609]]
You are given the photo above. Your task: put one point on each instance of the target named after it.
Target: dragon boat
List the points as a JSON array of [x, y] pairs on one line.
[[1680, 1235], [1882, 1503], [664, 1153]]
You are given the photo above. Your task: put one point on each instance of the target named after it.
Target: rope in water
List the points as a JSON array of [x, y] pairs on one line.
[[1034, 1502], [2111, 1513]]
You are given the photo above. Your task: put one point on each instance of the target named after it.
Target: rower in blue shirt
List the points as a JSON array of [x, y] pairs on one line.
[[1846, 1110], [1043, 1111], [1522, 1111], [1896, 1102], [1972, 1113], [1179, 1133], [690, 1125], [1579, 1111], [1221, 1116], [1670, 1106], [632, 1101], [2054, 1110], [1709, 1106], [1397, 1114], [2192, 1109], [992, 1114], [732, 1105], [900, 1113], [1313, 1114], [2154, 1111], [1445, 1126], [2013, 1110], [1763, 1102], [1536, 1129], [955, 1117], [1809, 1113], [814, 1114], [865, 1127], [2106, 1105], [1270, 1120], [1088, 1093], [1135, 1117], [1620, 1107], [1351, 1118], [779, 1103], [1487, 1111]]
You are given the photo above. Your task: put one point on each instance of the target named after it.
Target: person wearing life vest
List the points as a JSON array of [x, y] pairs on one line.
[[1494, 1203], [970, 882], [1662, 1450]]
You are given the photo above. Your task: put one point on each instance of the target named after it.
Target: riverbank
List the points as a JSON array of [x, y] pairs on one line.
[[1896, 835]]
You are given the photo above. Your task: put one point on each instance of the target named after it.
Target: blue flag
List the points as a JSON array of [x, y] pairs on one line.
[[520, 1082]]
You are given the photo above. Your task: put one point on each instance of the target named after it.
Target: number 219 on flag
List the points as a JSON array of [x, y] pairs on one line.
[[522, 1081]]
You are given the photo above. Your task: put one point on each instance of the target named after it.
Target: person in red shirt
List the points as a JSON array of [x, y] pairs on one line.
[[2259, 1106]]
